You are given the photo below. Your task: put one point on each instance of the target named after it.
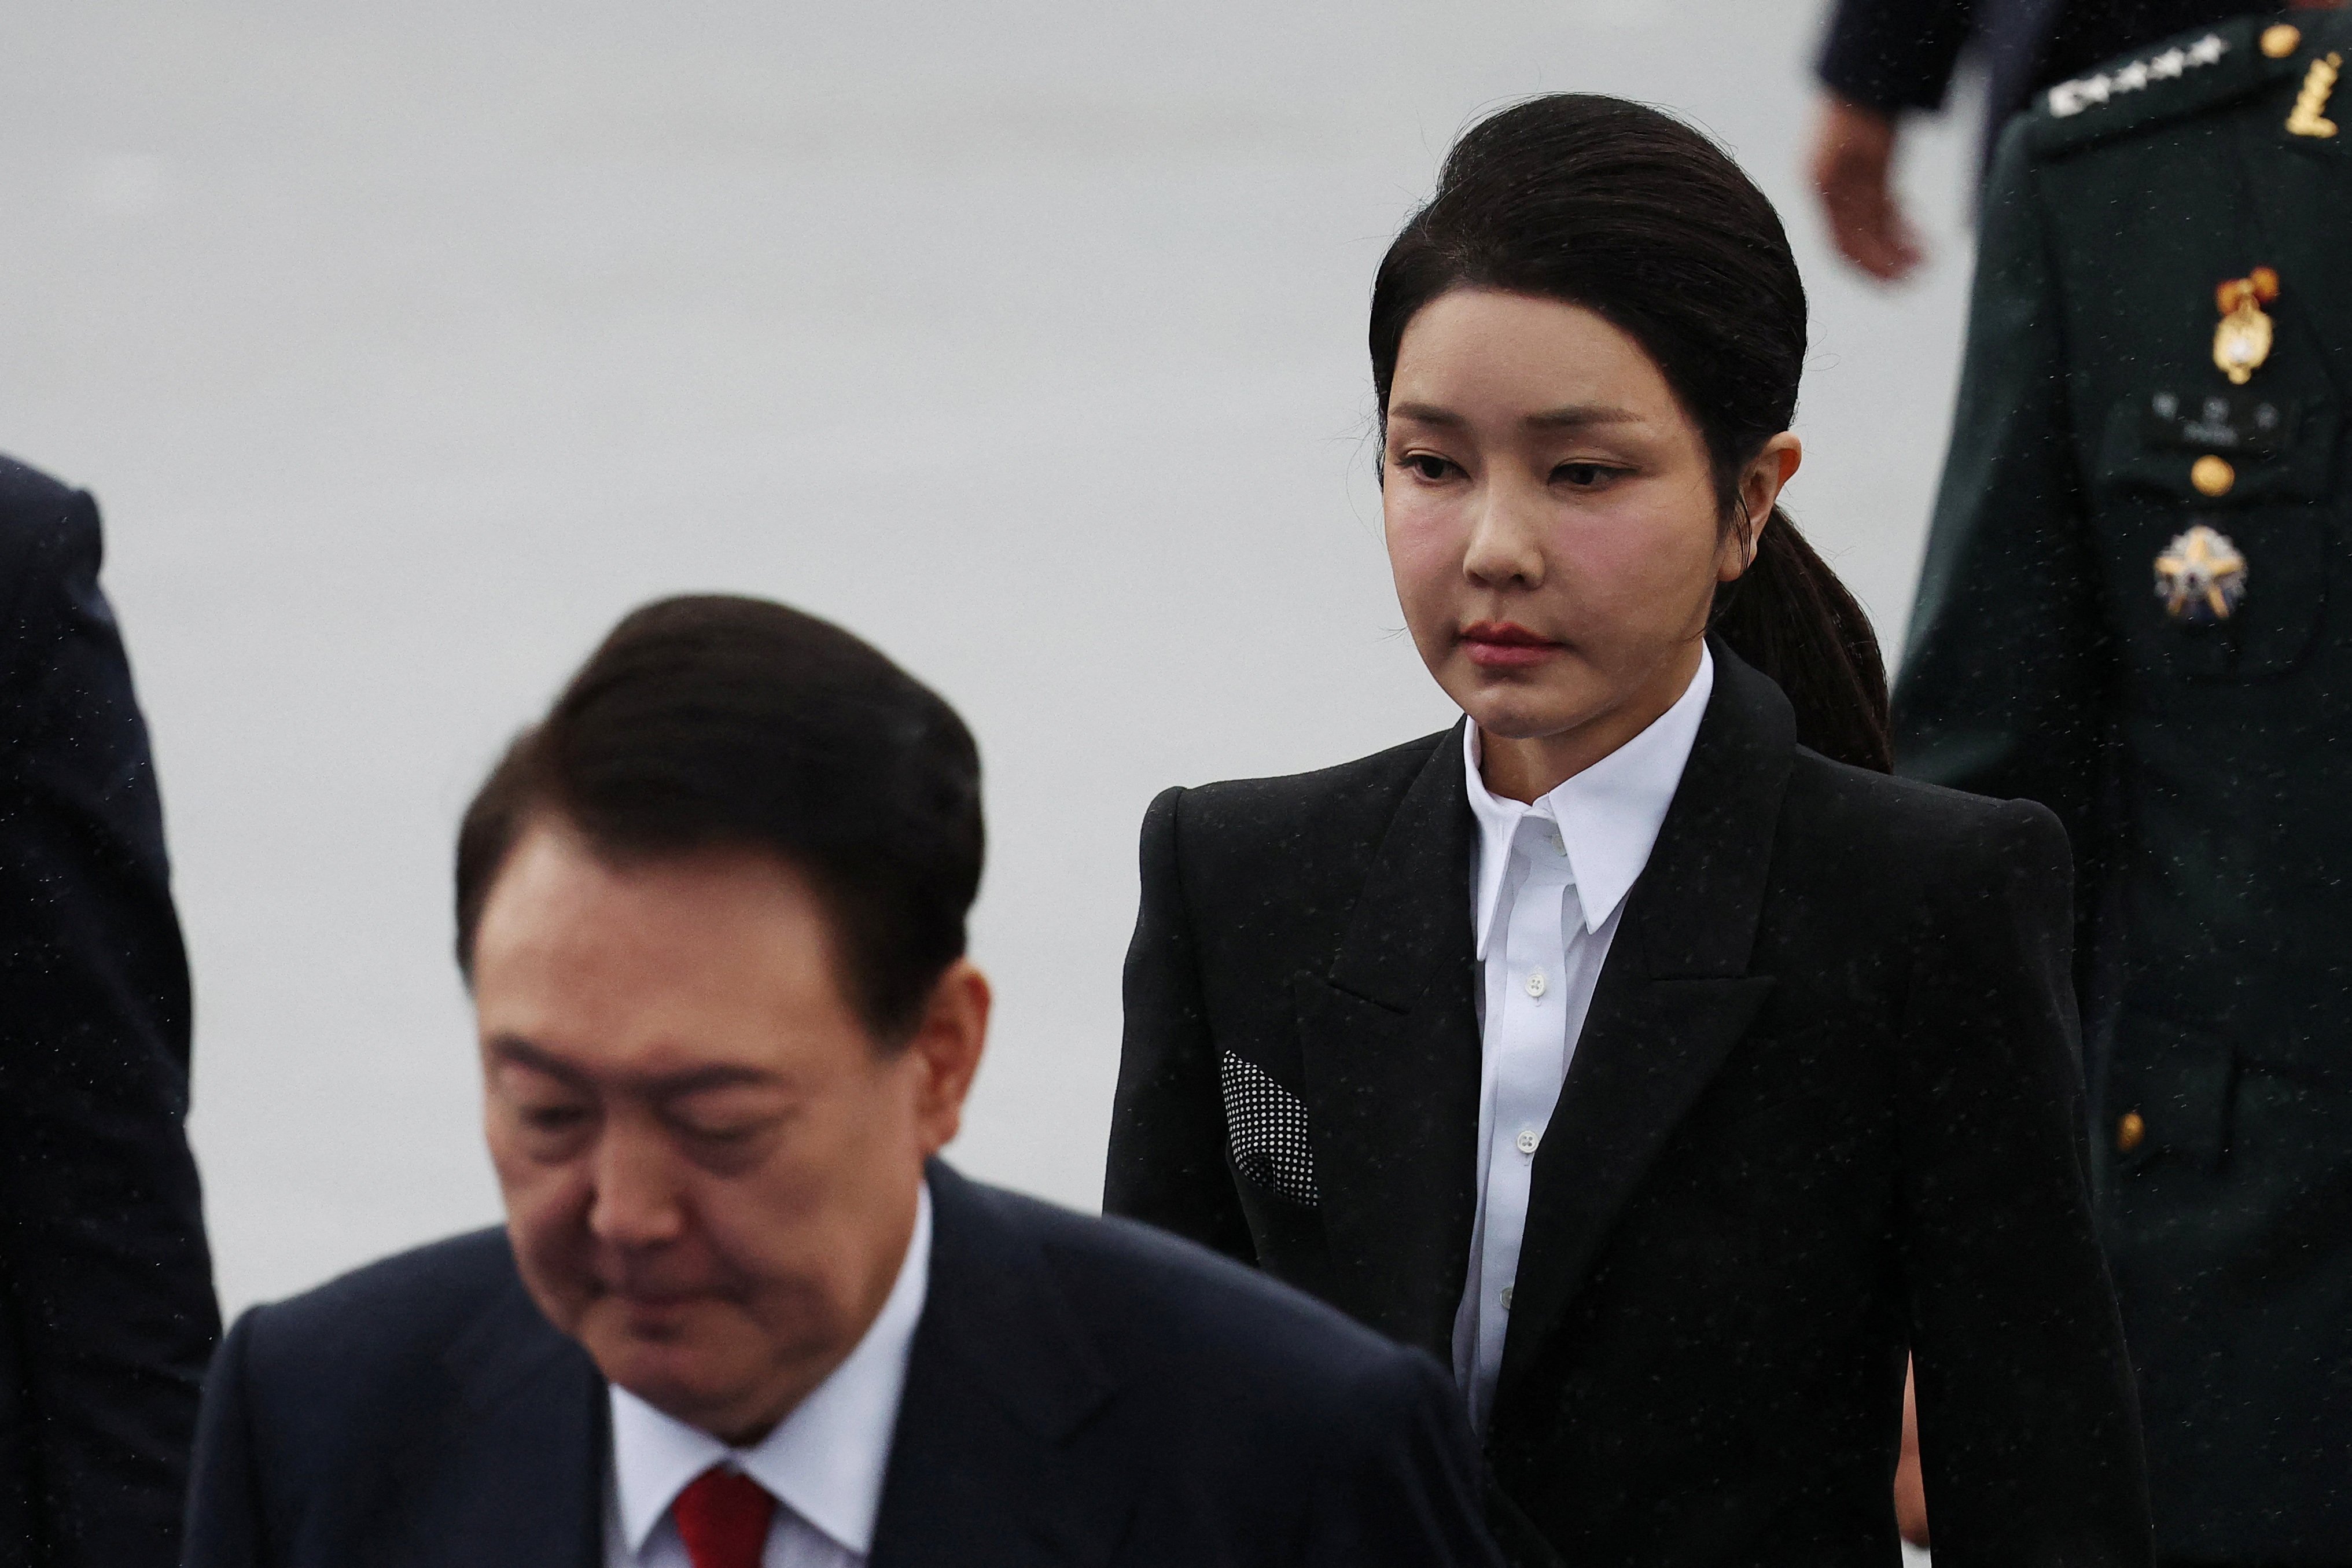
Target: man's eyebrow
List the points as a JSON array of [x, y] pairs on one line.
[[520, 1052], [516, 1049]]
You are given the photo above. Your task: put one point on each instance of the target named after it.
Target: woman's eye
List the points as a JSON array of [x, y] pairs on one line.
[[1583, 476], [553, 1118], [1427, 465]]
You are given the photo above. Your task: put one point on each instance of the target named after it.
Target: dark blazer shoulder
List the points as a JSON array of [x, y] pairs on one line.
[[369, 1334], [1239, 821], [1912, 829]]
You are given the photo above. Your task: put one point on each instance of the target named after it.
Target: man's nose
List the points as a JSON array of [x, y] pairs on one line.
[[637, 1202]]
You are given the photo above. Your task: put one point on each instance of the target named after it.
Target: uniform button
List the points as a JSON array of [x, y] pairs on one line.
[[1534, 983], [1507, 1298], [1527, 1140], [2130, 1132], [2280, 41], [2212, 476]]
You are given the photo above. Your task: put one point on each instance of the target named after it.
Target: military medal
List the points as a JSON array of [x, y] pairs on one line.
[[2200, 576], [2309, 116], [2242, 342]]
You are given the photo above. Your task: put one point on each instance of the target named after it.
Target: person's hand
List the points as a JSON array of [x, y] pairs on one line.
[[1853, 157], [1910, 1491]]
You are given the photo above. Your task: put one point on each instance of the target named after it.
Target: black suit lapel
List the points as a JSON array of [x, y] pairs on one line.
[[1674, 997], [513, 1476], [989, 1467], [1390, 1058]]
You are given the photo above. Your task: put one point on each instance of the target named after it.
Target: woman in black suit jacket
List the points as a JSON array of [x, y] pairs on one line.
[[1807, 1097]]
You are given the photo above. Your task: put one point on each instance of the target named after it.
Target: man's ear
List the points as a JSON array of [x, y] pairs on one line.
[[946, 1048]]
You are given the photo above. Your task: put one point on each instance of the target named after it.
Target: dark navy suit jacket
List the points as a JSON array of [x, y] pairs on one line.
[[1080, 1392], [105, 1293]]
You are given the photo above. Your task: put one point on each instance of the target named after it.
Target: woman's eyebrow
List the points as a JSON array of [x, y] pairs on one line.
[[1581, 414], [1427, 414]]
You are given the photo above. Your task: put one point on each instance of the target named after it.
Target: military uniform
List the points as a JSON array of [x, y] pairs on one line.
[[2137, 608]]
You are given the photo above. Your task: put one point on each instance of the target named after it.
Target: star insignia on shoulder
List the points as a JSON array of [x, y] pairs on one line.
[[2071, 98]]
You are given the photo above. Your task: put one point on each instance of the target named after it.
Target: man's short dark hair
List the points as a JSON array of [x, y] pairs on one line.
[[714, 721]]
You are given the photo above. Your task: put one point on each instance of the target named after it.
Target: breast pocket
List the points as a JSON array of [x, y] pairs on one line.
[[1266, 1132], [2195, 489]]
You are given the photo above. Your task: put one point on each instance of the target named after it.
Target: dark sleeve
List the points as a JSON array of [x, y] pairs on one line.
[[1892, 54], [108, 1284], [1167, 1162], [2004, 680], [2029, 1425], [224, 1494], [1401, 1482]]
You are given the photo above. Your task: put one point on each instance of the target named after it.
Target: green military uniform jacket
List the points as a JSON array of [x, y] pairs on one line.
[[2203, 764]]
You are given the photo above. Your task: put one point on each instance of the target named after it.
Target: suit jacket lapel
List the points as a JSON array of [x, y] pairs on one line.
[[514, 1474], [986, 1467], [1391, 1058], [1674, 997]]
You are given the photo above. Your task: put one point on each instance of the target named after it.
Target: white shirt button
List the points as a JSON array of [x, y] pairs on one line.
[[1534, 983], [1507, 1298], [1528, 1140]]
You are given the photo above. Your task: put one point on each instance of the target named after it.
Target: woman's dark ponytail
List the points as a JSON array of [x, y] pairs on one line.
[[1791, 617], [1642, 220]]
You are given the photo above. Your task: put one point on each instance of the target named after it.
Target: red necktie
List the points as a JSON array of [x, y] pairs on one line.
[[723, 1516]]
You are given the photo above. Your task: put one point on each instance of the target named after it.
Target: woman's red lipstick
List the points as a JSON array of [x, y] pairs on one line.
[[1504, 645]]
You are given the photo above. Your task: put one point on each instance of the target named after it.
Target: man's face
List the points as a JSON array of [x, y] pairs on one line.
[[709, 1165]]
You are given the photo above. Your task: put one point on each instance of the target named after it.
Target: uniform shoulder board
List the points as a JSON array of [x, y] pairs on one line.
[[2193, 71]]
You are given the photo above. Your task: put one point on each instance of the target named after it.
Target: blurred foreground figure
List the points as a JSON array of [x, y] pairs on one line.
[[106, 1292], [712, 912], [2134, 610], [1883, 58]]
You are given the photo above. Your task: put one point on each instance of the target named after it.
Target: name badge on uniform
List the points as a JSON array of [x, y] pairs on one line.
[[2201, 577], [2239, 424]]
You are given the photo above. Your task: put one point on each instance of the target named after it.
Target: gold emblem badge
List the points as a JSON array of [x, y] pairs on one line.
[[2280, 41], [2200, 576], [2242, 342], [2309, 116]]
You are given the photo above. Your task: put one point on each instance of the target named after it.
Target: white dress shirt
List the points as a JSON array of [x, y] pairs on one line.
[[824, 1463], [1547, 890]]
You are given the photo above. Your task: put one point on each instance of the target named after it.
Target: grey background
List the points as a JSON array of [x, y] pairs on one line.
[[406, 348]]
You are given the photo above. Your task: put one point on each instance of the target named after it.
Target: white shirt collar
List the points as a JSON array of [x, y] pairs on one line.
[[1609, 815], [824, 1461]]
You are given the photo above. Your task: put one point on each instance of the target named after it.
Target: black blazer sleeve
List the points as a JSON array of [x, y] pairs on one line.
[[1892, 54], [107, 1314], [1166, 1160], [2029, 1423]]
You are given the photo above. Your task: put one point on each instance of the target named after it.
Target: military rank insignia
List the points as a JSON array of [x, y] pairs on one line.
[[2200, 576], [2242, 341], [2309, 116]]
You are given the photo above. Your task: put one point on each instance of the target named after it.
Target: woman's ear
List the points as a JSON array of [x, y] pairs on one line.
[[1771, 471]]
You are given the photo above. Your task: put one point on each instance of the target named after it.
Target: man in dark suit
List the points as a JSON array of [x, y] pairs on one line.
[[1882, 58], [107, 1315], [713, 912]]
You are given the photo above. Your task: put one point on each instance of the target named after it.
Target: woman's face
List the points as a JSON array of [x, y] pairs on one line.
[[1552, 519]]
